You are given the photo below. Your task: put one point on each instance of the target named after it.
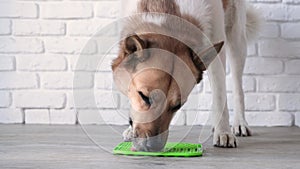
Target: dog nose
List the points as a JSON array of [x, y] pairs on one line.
[[152, 144], [145, 98]]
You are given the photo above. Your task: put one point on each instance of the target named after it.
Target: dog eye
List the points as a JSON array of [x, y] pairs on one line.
[[146, 99]]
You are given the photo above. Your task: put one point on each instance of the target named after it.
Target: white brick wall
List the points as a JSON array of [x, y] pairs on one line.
[[40, 43]]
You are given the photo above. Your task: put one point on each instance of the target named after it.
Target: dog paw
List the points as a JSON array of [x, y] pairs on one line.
[[225, 140], [128, 134], [241, 130]]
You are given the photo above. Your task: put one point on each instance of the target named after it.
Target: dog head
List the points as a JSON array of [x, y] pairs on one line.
[[157, 73]]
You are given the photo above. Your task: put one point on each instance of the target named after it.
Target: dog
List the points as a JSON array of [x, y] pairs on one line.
[[162, 56]]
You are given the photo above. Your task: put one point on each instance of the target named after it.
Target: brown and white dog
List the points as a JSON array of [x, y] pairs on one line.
[[164, 50]]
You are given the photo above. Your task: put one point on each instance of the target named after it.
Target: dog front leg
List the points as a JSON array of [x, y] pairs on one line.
[[128, 133], [223, 136], [237, 58]]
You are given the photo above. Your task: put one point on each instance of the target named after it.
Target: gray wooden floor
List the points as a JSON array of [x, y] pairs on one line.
[[45, 147]]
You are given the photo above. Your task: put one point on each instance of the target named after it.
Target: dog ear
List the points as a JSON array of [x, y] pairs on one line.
[[128, 47], [133, 47], [204, 58], [133, 44]]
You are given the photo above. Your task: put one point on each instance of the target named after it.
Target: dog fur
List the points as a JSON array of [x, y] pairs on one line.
[[232, 21]]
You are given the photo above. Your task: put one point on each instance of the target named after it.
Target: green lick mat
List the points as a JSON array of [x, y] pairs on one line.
[[171, 150]]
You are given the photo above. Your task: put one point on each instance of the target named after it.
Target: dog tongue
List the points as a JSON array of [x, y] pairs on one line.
[[132, 149]]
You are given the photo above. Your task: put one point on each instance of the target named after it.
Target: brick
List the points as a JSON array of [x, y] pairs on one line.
[[5, 99], [270, 48], [37, 99], [292, 1], [114, 117], [104, 81], [46, 62], [290, 30], [273, 12], [90, 117], [70, 46], [12, 80], [96, 27], [66, 11], [62, 116], [293, 12], [92, 63], [88, 99], [248, 84], [78, 80], [107, 45], [18, 10], [198, 102], [198, 118], [269, 119], [270, 30], [278, 48], [179, 119], [37, 116], [297, 119], [108, 29], [21, 45], [263, 66], [107, 100], [254, 102], [292, 67], [11, 116], [124, 102], [81, 99], [279, 84], [7, 63], [251, 50], [289, 102], [107, 117], [38, 28], [104, 65], [5, 28], [106, 9], [83, 62]]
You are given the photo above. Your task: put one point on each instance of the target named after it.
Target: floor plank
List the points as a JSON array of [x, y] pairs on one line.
[[51, 146]]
